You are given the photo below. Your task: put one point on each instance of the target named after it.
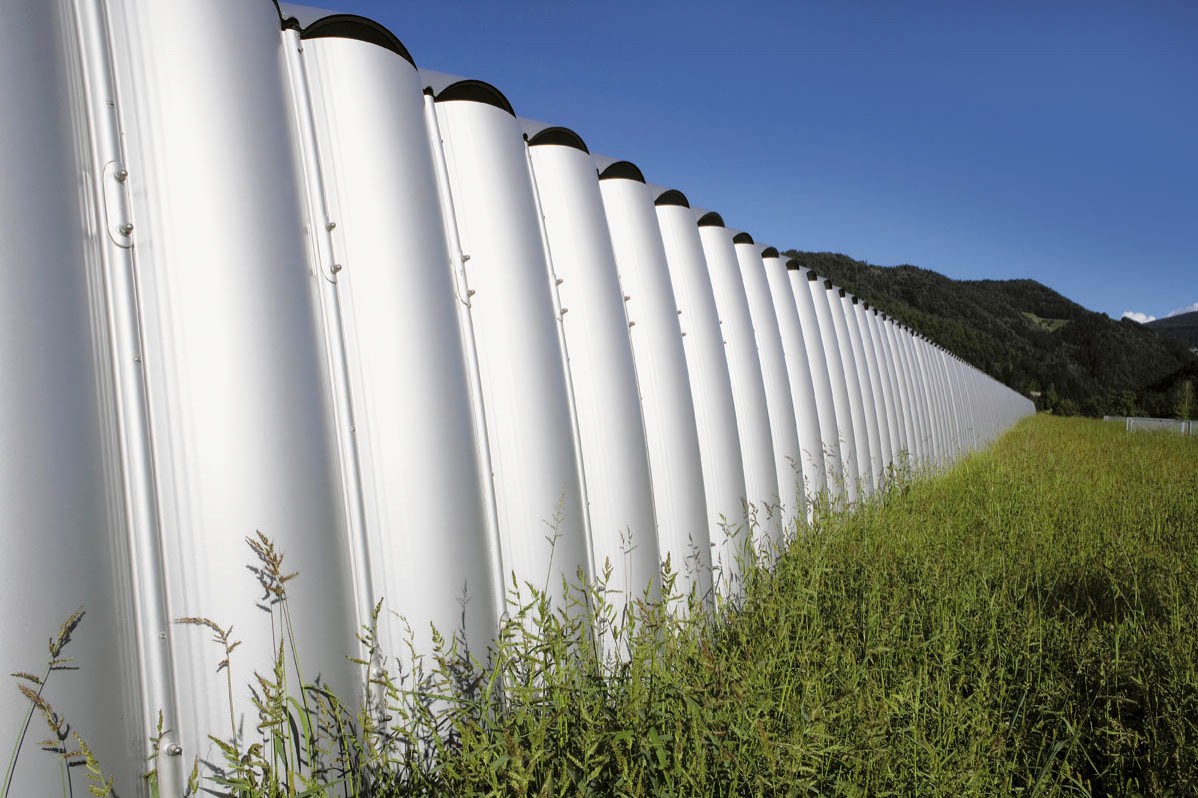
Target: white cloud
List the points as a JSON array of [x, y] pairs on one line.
[[1142, 318], [1179, 311]]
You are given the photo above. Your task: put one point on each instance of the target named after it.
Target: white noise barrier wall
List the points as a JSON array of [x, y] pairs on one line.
[[270, 277]]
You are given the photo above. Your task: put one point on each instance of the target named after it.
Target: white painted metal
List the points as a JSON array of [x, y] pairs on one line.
[[392, 306], [906, 452], [762, 494], [810, 379], [822, 315], [956, 407], [711, 387], [897, 399], [855, 310], [919, 393], [796, 472], [529, 425], [607, 405], [470, 349], [237, 394], [971, 403], [150, 613], [869, 403], [935, 400], [883, 384], [186, 363], [857, 410], [922, 417], [962, 408], [66, 523], [666, 400], [943, 400]]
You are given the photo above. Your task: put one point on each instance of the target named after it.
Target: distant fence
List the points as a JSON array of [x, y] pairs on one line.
[[1133, 424]]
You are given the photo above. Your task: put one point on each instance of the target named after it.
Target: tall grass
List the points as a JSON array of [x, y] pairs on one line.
[[1022, 624]]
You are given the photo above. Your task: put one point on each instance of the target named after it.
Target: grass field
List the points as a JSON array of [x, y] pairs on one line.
[[1024, 624]]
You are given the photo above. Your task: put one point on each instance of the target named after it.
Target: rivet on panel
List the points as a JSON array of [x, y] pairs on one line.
[[558, 281], [336, 267], [122, 176], [471, 292], [465, 257], [126, 229], [331, 226], [174, 750]]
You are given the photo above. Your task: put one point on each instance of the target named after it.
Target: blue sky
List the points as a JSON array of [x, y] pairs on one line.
[[1055, 140]]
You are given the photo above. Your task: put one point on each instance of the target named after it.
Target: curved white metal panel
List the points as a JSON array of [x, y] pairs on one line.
[[797, 472], [170, 391], [857, 414], [925, 443], [877, 379], [919, 400], [935, 399], [883, 384], [762, 494], [711, 388], [607, 405], [423, 506], [870, 401], [530, 429], [820, 314], [810, 385], [64, 535], [902, 381], [941, 400], [666, 401], [238, 399]]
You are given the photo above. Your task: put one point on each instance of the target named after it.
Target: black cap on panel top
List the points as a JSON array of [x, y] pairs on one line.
[[842, 293], [828, 285], [672, 197], [711, 219], [475, 91], [793, 265], [563, 136], [351, 26], [769, 252], [742, 238], [622, 169], [812, 276]]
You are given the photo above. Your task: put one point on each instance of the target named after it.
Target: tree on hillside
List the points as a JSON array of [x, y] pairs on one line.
[[1183, 400]]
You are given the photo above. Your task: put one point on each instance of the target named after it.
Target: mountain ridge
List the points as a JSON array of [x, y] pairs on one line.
[[1069, 359], [1182, 326]]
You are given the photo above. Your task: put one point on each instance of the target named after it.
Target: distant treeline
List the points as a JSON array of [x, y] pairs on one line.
[[1070, 360]]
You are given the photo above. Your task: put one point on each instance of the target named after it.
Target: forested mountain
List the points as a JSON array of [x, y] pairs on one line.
[[1069, 359], [1183, 327]]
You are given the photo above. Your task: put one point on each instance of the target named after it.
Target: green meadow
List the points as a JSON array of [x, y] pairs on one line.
[[1025, 623]]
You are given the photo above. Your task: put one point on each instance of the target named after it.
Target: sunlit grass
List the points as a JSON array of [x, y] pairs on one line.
[[1022, 624]]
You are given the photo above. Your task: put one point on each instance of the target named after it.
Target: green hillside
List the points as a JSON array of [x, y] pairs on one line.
[[1069, 359], [1183, 327]]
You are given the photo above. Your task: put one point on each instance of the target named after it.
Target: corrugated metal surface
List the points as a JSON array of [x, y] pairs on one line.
[[263, 283], [602, 373], [711, 388], [761, 494]]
